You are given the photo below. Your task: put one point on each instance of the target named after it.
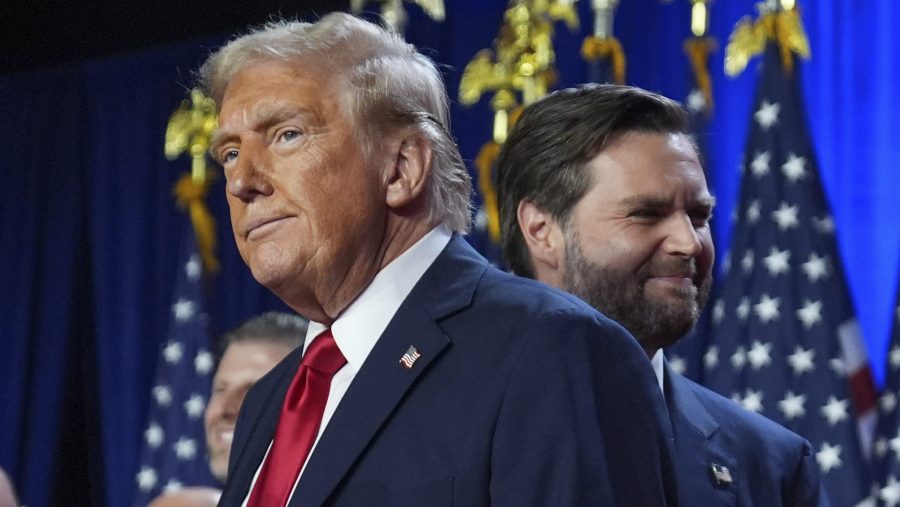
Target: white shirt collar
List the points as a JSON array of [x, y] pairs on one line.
[[657, 362], [357, 329]]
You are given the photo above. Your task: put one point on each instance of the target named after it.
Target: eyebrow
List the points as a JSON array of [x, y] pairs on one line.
[[648, 201], [217, 139], [708, 200], [261, 117]]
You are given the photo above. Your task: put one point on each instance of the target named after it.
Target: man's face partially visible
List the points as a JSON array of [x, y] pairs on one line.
[[638, 244], [307, 206], [241, 366]]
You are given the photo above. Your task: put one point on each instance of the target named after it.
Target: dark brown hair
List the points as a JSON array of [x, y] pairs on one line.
[[544, 157]]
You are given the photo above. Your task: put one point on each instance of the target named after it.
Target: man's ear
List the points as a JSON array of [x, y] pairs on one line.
[[544, 239], [409, 171]]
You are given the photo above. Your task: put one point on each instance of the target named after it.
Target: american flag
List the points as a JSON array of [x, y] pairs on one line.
[[886, 455], [410, 357], [785, 342], [174, 444], [721, 474]]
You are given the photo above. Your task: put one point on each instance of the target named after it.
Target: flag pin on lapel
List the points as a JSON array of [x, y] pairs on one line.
[[410, 357], [721, 475]]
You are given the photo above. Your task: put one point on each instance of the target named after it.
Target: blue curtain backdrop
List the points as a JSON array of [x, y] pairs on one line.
[[90, 229]]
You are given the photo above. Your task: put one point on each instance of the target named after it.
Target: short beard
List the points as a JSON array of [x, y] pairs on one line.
[[620, 296]]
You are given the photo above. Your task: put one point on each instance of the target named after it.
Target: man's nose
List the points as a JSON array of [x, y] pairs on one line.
[[249, 177], [682, 237]]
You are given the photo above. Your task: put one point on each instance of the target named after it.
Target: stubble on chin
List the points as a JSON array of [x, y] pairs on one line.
[[655, 320]]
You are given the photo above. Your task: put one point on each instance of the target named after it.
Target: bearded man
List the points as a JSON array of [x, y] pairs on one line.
[[602, 195]]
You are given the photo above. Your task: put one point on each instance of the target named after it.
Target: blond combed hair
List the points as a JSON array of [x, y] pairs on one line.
[[390, 85]]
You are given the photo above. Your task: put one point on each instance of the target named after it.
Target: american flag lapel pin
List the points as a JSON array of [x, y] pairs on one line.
[[721, 475], [410, 357]]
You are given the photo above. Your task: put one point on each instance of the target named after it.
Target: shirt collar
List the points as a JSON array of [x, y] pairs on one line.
[[657, 363], [357, 329]]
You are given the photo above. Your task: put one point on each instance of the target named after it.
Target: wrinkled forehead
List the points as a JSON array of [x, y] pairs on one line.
[[272, 91], [331, 76]]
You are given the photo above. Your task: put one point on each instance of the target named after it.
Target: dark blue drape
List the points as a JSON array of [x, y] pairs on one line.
[[90, 214], [135, 228], [90, 229], [43, 220]]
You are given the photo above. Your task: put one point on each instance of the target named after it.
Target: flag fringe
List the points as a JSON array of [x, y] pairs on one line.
[[698, 50], [594, 48], [484, 163], [190, 195]]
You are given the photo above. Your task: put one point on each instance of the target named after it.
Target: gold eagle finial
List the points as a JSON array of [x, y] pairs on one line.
[[778, 23], [394, 14], [188, 131]]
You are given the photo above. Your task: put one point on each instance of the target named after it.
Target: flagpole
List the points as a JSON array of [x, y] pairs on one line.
[[785, 339]]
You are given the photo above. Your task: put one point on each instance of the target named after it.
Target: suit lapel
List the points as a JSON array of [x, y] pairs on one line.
[[382, 382], [684, 405], [696, 447]]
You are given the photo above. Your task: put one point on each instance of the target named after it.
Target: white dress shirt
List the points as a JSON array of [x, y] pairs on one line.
[[657, 362], [358, 328]]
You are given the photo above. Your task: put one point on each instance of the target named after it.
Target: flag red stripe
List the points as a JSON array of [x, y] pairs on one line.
[[862, 390]]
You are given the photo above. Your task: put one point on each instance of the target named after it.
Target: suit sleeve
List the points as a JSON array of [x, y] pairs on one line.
[[807, 487], [583, 421]]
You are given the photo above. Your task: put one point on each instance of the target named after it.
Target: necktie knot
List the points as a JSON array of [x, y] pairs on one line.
[[324, 355]]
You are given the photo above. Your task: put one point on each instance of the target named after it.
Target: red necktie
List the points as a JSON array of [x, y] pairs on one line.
[[299, 423]]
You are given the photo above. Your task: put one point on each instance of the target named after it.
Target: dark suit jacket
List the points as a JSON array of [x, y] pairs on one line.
[[769, 465], [517, 399]]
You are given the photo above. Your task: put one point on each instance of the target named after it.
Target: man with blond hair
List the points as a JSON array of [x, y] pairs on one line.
[[427, 377]]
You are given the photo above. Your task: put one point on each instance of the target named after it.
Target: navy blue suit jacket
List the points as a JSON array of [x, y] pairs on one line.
[[517, 399], [769, 465]]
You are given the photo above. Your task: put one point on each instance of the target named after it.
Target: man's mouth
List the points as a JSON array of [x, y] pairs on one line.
[[684, 281], [224, 435], [261, 226]]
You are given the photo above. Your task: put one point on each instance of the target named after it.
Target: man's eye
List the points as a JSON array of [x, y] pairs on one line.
[[645, 213], [701, 218], [289, 135], [229, 155]]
